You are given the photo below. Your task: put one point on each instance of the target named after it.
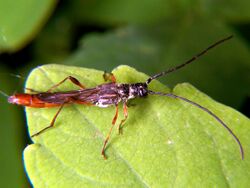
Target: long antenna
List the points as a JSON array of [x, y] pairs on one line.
[[4, 94], [206, 110], [189, 61]]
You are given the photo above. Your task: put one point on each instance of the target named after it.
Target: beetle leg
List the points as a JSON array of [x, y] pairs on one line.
[[125, 112], [51, 124], [109, 77], [72, 79], [109, 134]]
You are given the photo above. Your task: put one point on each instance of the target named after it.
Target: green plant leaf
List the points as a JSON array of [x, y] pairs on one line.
[[20, 20], [165, 142]]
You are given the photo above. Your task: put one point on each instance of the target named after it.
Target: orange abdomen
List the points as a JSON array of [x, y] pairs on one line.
[[29, 100]]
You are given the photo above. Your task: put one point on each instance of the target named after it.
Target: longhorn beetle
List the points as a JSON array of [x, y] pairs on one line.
[[108, 94]]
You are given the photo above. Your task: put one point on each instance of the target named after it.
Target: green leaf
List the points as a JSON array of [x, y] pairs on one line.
[[20, 20], [165, 142]]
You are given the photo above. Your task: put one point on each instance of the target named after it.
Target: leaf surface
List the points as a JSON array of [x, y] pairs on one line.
[[165, 142]]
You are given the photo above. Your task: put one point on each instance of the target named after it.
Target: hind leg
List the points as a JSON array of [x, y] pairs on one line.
[[51, 123], [72, 79]]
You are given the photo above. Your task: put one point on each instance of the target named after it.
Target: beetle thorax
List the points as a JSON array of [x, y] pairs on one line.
[[129, 91]]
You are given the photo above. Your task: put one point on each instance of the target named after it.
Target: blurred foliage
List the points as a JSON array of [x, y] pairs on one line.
[[148, 35], [148, 11], [21, 20], [12, 137]]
